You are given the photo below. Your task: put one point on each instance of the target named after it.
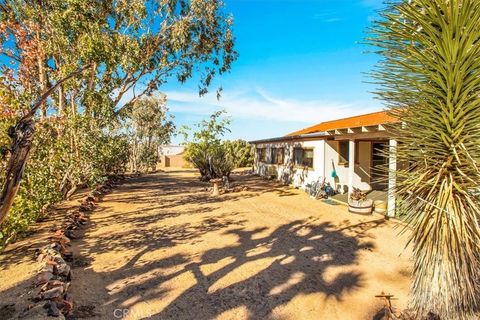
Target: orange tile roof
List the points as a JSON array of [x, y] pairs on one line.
[[369, 119]]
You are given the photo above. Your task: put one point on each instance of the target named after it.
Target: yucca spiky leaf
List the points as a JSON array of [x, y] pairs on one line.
[[429, 78]]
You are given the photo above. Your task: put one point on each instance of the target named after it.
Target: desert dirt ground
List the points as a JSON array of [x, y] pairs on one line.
[[160, 247]]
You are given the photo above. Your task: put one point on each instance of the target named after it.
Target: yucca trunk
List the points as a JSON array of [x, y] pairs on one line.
[[429, 78]]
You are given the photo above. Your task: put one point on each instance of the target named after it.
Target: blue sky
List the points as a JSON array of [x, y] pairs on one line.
[[300, 63]]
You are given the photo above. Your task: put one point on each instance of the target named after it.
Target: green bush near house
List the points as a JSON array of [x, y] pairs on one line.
[[212, 156]]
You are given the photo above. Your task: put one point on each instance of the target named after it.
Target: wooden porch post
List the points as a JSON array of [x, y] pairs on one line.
[[392, 177], [351, 164]]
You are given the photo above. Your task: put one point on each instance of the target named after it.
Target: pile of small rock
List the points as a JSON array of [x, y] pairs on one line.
[[55, 275], [237, 189], [51, 296], [223, 190]]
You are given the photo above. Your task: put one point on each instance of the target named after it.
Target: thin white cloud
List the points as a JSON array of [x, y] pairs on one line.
[[259, 105], [331, 20], [328, 16]]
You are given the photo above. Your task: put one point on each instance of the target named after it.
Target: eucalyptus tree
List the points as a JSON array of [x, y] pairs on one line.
[[430, 80], [149, 126], [89, 61]]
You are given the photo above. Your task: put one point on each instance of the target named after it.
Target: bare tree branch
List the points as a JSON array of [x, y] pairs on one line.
[[47, 93]]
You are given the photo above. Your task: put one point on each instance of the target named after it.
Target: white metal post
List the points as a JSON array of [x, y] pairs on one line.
[[320, 161], [351, 165], [392, 177]]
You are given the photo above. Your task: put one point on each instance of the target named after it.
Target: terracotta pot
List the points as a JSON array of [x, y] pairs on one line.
[[360, 207]]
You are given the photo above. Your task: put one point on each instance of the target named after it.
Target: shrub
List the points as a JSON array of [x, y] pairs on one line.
[[207, 152]]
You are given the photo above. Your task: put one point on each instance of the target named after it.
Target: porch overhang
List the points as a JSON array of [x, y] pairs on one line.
[[376, 132], [380, 131], [300, 137]]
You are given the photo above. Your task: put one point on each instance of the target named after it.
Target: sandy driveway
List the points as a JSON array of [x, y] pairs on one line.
[[160, 247]]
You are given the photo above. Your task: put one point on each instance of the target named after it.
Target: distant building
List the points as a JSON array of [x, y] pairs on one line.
[[171, 156], [169, 149]]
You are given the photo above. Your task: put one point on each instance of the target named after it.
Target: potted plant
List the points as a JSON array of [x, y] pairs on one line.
[[358, 202]]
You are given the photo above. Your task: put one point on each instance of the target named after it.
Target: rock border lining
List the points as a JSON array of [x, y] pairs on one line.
[[51, 296]]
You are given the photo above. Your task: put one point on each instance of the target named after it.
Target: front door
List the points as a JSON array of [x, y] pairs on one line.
[[379, 173]]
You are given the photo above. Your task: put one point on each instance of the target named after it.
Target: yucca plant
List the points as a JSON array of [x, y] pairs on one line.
[[429, 77]]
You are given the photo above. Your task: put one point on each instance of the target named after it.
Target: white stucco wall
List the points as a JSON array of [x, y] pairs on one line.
[[361, 178], [288, 172], [324, 153]]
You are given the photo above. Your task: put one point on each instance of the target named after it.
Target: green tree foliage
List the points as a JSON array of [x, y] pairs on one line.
[[205, 151], [149, 127], [54, 171], [210, 154], [430, 79], [117, 53], [242, 153]]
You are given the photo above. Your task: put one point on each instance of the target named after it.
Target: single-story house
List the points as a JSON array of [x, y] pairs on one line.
[[347, 153]]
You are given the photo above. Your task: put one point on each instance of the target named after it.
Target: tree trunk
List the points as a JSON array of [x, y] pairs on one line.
[[61, 101], [73, 110], [42, 78], [22, 136]]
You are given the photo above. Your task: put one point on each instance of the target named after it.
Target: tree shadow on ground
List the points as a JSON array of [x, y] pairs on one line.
[[38, 233], [142, 279], [298, 255], [138, 277], [294, 258], [192, 189], [151, 236], [260, 269]]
